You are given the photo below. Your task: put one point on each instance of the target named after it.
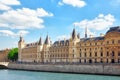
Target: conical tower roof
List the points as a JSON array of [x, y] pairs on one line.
[[40, 41], [73, 34], [21, 39], [47, 41]]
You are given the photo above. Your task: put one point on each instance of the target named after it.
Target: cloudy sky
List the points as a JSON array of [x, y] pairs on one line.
[[57, 18]]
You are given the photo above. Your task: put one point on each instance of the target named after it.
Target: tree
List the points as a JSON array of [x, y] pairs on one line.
[[13, 54]]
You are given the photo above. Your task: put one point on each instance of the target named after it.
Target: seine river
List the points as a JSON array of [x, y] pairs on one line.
[[29, 75]]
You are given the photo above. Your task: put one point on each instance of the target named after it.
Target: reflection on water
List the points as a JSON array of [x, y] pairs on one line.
[[29, 75]]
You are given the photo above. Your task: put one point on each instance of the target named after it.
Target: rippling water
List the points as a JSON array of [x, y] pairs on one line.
[[29, 75]]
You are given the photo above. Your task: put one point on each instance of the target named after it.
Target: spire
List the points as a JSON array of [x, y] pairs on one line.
[[78, 35], [40, 41], [47, 41], [85, 32], [74, 34], [21, 39]]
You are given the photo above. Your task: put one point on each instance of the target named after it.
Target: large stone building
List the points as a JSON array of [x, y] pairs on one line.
[[102, 49], [4, 55]]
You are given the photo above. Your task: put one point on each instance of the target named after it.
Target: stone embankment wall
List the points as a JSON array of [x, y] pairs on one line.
[[3, 67], [86, 69]]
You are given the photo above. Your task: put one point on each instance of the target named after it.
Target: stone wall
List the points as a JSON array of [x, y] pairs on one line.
[[86, 69]]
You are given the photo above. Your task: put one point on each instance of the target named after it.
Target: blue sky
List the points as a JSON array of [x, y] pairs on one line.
[[57, 18]]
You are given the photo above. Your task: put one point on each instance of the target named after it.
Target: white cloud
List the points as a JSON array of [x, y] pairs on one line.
[[60, 3], [90, 33], [13, 34], [74, 3], [6, 33], [4, 7], [6, 4], [99, 23], [10, 2], [24, 18], [22, 33], [62, 37]]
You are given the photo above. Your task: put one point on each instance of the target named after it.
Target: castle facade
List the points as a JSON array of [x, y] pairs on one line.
[[4, 55], [102, 49]]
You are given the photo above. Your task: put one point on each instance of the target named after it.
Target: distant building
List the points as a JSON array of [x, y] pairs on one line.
[[4, 55], [102, 49]]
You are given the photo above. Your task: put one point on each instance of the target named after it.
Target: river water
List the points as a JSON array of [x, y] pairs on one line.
[[29, 75]]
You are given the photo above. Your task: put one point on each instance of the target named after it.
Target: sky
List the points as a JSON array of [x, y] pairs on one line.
[[33, 19]]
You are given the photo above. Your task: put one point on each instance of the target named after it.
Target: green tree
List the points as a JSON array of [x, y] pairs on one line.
[[13, 54]]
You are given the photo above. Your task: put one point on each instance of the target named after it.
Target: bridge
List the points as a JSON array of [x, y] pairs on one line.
[[4, 64]]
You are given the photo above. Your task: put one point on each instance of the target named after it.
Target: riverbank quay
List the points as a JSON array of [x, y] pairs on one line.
[[102, 69]]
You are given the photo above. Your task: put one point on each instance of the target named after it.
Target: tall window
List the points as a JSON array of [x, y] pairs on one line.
[[80, 54], [90, 49], [73, 55], [85, 54], [107, 42], [112, 41], [80, 49], [113, 54], [95, 60], [90, 54], [101, 60], [85, 60], [80, 60], [95, 53], [107, 53], [101, 53], [95, 43], [119, 53]]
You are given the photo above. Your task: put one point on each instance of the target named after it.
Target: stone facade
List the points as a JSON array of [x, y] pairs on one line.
[[102, 49], [4, 55]]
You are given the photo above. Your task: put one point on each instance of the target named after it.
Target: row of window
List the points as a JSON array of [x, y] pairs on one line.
[[62, 44], [58, 50], [101, 54], [101, 61], [108, 42], [57, 55], [91, 49]]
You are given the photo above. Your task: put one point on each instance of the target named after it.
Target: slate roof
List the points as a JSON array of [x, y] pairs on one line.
[[62, 42], [117, 29], [92, 39]]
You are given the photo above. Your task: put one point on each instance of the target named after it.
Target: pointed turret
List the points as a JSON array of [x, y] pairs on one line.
[[21, 39], [86, 32], [40, 41], [47, 41], [78, 35], [74, 34]]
